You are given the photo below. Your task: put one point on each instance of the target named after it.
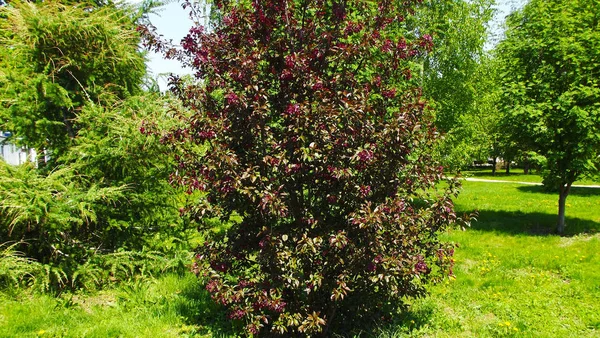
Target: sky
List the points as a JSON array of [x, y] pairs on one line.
[[503, 8], [173, 23]]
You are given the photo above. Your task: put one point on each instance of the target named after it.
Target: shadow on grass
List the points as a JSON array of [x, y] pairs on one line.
[[413, 320], [197, 308], [534, 224], [575, 191], [405, 324]]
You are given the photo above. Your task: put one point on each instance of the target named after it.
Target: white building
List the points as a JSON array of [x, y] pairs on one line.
[[13, 154]]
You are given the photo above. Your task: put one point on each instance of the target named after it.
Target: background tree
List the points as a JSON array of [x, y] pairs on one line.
[[307, 125], [459, 31], [477, 134], [551, 96], [453, 73]]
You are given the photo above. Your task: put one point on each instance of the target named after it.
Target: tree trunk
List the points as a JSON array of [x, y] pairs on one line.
[[330, 316], [507, 167], [494, 166], [562, 201]]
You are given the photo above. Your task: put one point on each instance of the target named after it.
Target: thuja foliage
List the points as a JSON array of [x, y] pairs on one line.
[[14, 266], [71, 79], [53, 211], [307, 125], [18, 271], [109, 197], [54, 59], [110, 192]]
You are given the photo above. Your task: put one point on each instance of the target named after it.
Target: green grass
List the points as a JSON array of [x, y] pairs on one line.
[[514, 277], [516, 208], [170, 306]]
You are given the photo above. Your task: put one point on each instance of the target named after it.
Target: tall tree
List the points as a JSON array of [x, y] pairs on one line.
[[551, 96], [475, 134], [452, 73], [449, 74], [459, 31]]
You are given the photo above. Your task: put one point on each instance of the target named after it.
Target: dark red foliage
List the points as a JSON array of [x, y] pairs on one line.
[[307, 125]]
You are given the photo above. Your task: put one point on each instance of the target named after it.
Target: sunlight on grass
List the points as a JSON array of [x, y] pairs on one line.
[[171, 306], [514, 278]]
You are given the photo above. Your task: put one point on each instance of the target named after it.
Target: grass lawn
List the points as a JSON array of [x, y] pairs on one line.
[[514, 278], [170, 306]]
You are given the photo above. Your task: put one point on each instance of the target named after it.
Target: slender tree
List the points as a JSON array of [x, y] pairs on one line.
[[459, 31], [551, 95], [451, 73]]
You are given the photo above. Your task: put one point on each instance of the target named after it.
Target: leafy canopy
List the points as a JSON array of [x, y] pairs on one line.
[[459, 31]]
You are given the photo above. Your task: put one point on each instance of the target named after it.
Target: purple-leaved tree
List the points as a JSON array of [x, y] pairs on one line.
[[306, 123]]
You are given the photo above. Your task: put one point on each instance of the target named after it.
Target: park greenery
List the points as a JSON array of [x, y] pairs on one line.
[[302, 181], [551, 90], [512, 280], [99, 186]]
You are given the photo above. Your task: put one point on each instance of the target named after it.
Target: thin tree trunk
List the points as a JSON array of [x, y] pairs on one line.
[[494, 166], [68, 125], [562, 201], [507, 167], [330, 316]]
